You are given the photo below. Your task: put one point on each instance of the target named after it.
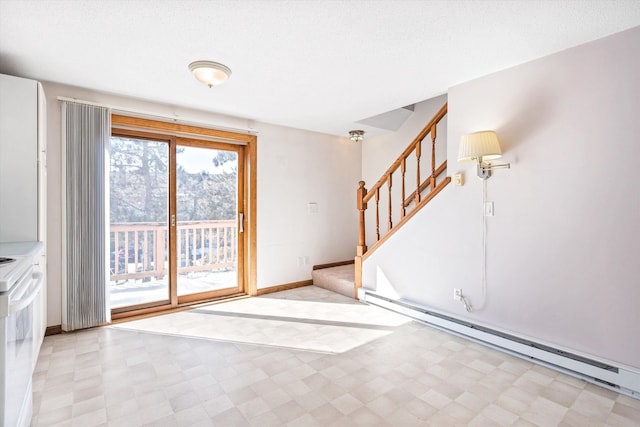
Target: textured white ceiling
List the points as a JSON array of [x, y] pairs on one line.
[[318, 64]]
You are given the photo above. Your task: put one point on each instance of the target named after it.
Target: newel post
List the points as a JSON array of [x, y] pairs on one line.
[[362, 206], [362, 247]]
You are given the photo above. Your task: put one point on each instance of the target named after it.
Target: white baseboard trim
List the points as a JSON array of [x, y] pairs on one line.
[[620, 379]]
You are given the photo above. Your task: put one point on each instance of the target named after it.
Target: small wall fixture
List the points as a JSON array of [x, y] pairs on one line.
[[356, 135], [480, 147], [209, 72]]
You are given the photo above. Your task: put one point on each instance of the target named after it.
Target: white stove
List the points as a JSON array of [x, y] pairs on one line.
[[21, 291], [11, 269]]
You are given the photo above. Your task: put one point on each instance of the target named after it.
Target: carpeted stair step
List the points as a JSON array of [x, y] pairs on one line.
[[337, 279]]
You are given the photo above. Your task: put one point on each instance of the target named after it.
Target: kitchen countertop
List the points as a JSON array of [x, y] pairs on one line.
[[21, 248]]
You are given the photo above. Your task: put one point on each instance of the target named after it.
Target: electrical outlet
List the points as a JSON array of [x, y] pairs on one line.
[[457, 294]]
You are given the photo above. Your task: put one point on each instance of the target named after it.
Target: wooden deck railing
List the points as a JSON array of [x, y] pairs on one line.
[[407, 205], [140, 250]]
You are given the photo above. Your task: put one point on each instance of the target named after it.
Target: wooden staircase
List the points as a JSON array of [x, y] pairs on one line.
[[420, 192]]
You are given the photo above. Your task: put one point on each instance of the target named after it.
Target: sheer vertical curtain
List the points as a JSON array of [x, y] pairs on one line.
[[86, 131]]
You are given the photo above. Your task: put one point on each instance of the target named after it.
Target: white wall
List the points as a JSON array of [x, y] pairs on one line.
[[294, 167], [562, 248]]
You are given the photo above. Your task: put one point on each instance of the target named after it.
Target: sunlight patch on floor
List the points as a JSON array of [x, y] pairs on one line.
[[308, 318]]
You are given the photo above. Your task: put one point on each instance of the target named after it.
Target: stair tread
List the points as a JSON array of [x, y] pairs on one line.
[[342, 272], [339, 279]]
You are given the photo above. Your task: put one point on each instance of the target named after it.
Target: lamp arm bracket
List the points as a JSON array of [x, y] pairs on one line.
[[498, 166], [485, 168]]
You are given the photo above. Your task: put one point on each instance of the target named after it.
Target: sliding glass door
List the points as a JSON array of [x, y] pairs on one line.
[[175, 205], [208, 247]]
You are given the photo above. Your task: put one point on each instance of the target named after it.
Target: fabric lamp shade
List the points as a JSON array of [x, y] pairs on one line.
[[482, 145]]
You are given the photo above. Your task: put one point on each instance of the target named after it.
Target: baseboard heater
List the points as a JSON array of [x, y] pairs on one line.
[[606, 375]]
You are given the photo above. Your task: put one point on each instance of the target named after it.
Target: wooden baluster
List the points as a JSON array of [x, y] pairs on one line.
[[196, 243], [433, 156], [202, 259], [390, 223], [218, 240], [210, 253], [223, 242], [145, 251], [187, 242], [140, 250], [126, 252], [158, 256], [403, 169], [418, 155], [194, 248], [377, 214], [116, 256], [232, 236], [181, 246], [229, 233], [362, 206], [135, 250], [196, 228]]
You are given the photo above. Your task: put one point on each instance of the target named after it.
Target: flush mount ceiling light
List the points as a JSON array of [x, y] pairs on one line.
[[209, 72], [356, 135]]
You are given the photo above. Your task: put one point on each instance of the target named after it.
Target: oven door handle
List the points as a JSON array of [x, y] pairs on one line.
[[28, 297]]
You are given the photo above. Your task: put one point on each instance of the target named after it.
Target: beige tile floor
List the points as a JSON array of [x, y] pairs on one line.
[[305, 357]]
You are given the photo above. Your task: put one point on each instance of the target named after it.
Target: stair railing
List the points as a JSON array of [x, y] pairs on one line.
[[408, 205]]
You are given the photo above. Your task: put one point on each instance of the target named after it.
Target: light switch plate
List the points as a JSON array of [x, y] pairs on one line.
[[488, 208]]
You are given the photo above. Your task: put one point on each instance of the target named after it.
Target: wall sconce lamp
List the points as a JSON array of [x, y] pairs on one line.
[[356, 135], [480, 147]]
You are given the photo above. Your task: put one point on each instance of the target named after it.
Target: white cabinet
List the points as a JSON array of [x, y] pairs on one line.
[[22, 160]]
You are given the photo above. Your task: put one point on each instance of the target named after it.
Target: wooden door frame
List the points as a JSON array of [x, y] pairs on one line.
[[172, 130]]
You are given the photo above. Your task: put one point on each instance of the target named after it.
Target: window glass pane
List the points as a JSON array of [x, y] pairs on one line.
[[139, 206], [207, 211]]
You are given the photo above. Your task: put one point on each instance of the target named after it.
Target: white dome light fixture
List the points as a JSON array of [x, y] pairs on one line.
[[209, 72]]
